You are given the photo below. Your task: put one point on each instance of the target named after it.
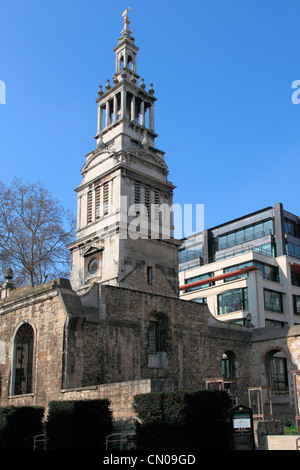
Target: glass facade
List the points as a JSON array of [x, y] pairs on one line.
[[233, 301], [273, 301], [235, 268], [199, 278], [192, 248], [293, 250], [291, 228], [200, 300], [296, 304], [274, 323], [186, 254], [295, 279], [245, 234], [269, 272]]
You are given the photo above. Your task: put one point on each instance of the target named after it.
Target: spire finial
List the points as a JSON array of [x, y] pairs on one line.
[[126, 19]]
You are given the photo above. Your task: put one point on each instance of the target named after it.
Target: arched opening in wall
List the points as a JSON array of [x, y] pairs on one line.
[[229, 365], [73, 353], [103, 115], [23, 360], [121, 63], [118, 110], [128, 108], [158, 332], [276, 366], [146, 119], [229, 372], [130, 62]]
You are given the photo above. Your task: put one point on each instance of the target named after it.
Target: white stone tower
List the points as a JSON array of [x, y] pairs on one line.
[[124, 222]]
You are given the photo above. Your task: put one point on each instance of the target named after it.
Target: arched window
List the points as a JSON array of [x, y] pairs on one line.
[[228, 365], [157, 340], [278, 373], [23, 360]]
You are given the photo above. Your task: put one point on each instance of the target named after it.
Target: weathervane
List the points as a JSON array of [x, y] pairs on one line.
[[125, 15]]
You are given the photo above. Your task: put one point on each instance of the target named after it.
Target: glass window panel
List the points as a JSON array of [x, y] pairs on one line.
[[231, 239], [293, 250], [296, 279], [279, 373], [232, 301], [201, 300], [199, 278], [273, 301], [249, 233], [268, 226], [296, 301]]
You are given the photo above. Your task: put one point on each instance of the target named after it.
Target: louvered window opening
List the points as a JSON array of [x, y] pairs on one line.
[[98, 202], [105, 199], [90, 207]]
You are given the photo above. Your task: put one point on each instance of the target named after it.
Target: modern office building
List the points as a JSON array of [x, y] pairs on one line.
[[246, 270]]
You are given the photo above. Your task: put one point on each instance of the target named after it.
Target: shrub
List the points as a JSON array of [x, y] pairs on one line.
[[18, 426], [78, 424], [183, 420]]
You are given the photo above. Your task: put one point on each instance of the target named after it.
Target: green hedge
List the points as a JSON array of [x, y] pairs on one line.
[[18, 426], [183, 420], [78, 424]]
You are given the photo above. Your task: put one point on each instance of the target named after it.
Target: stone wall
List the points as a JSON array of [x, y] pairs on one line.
[[40, 307], [98, 345]]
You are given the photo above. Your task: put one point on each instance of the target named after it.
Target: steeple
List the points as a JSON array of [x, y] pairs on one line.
[[125, 107], [124, 238], [126, 50]]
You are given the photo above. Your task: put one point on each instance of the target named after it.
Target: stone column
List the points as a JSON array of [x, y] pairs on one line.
[[151, 117], [133, 108], [100, 117], [123, 103], [107, 114], [115, 108], [142, 113]]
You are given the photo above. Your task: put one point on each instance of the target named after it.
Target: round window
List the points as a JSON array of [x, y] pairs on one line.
[[93, 266]]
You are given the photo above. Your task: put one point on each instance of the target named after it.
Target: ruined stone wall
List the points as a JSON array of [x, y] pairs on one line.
[[124, 337], [98, 350], [266, 342], [40, 307]]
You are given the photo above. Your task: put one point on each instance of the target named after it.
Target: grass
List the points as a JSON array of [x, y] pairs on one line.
[[289, 430]]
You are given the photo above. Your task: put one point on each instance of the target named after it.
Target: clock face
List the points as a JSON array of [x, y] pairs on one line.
[[93, 266]]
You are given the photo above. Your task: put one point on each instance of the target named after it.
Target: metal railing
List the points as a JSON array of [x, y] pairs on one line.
[[196, 262], [120, 441]]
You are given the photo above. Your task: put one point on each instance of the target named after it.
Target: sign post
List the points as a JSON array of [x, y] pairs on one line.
[[242, 432]]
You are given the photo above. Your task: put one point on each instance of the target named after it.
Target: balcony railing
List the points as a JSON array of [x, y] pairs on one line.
[[244, 239], [196, 262]]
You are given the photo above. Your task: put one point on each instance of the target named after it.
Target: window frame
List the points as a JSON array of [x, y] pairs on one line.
[[30, 375], [243, 300], [272, 304]]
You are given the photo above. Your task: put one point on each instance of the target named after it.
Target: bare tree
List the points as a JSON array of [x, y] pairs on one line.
[[34, 231]]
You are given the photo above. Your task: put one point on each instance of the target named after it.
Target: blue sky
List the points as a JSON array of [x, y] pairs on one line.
[[222, 72]]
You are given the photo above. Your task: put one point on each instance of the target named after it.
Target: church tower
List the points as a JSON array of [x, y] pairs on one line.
[[124, 218]]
